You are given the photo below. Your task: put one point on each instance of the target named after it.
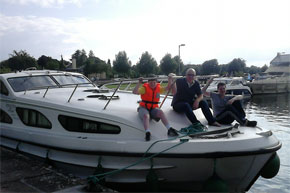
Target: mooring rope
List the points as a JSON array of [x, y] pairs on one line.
[[185, 131]]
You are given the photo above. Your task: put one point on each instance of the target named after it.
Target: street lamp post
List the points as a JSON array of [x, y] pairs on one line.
[[179, 56]]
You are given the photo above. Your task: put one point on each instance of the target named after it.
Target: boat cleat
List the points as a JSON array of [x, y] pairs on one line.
[[265, 133]]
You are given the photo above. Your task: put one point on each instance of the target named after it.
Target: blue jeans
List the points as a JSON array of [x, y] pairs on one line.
[[232, 112], [184, 107]]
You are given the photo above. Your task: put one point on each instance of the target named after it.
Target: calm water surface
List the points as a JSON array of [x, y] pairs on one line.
[[272, 112]]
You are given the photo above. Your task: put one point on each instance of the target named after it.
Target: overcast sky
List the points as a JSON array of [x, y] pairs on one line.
[[254, 30]]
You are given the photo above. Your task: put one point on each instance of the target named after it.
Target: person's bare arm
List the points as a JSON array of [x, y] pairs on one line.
[[171, 84], [238, 97], [136, 89], [197, 100], [205, 93]]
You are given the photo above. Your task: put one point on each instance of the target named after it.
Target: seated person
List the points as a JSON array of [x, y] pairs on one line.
[[227, 108], [149, 108], [188, 97]]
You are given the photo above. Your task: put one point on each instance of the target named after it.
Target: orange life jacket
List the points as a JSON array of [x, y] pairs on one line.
[[151, 97]]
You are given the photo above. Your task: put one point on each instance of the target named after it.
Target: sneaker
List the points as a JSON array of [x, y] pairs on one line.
[[147, 136], [251, 123], [172, 132]]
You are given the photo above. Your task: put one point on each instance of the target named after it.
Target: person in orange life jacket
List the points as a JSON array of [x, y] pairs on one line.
[[149, 108]]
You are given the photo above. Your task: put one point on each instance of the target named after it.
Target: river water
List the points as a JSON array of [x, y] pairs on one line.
[[272, 112]]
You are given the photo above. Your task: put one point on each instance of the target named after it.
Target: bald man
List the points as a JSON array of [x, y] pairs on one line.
[[189, 97]]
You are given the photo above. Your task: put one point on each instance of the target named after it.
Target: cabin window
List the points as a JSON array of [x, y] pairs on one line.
[[33, 118], [30, 82], [4, 117], [69, 79], [87, 126], [3, 89]]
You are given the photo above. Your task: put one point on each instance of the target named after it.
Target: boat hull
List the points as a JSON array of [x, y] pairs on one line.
[[191, 171]]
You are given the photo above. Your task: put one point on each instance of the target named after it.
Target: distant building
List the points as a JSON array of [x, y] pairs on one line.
[[280, 64]]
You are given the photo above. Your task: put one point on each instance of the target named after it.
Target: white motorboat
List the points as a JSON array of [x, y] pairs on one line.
[[64, 118], [276, 79], [234, 85]]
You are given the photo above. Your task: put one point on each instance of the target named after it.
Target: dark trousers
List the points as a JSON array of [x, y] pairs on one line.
[[183, 107], [232, 112]]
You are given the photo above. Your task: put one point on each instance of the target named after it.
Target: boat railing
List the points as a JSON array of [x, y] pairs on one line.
[[58, 86]]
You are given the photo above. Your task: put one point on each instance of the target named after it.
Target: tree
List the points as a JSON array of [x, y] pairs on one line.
[[178, 62], [46, 62], [254, 70], [91, 54], [21, 60], [147, 64], [264, 68], [168, 65], [223, 69], [52, 64], [210, 67], [4, 67], [81, 57], [95, 65], [236, 66], [121, 64]]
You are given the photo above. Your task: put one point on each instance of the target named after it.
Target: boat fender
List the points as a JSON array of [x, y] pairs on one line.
[[271, 169], [215, 184], [152, 180]]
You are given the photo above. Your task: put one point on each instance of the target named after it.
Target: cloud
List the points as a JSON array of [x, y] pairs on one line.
[[45, 3], [223, 30], [37, 35]]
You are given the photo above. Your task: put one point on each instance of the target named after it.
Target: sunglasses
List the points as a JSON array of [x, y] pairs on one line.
[[190, 75]]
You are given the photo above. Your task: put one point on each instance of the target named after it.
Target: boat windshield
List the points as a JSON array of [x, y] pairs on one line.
[[235, 82], [215, 82], [69, 79], [19, 84]]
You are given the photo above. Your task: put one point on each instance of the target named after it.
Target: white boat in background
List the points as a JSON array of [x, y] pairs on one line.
[[64, 118], [276, 79], [234, 86]]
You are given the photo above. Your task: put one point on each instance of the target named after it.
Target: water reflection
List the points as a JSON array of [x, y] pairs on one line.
[[275, 108], [272, 112]]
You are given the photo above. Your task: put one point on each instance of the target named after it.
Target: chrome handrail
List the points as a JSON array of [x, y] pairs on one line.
[[72, 93]]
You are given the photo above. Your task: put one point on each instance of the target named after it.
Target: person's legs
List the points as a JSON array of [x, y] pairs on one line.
[[238, 106], [206, 112], [158, 113], [237, 112], [182, 107], [144, 115], [226, 117]]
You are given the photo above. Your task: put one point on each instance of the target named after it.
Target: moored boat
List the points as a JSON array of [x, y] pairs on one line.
[[234, 85], [276, 79], [63, 117]]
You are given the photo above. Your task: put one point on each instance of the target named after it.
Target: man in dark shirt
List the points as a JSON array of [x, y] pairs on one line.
[[188, 97]]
